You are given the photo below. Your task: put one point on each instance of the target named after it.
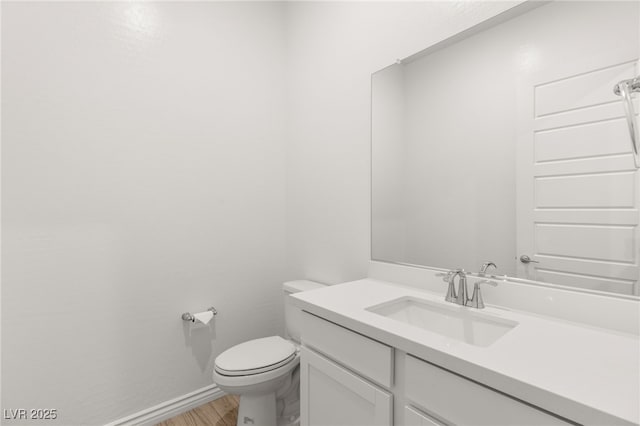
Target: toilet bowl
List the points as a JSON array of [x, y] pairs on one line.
[[265, 371]]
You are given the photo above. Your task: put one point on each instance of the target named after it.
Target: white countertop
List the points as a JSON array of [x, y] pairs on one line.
[[588, 375]]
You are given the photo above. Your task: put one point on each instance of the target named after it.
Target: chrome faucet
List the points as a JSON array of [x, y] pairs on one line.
[[461, 298]]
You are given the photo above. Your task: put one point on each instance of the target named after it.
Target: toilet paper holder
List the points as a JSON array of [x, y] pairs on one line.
[[187, 316]]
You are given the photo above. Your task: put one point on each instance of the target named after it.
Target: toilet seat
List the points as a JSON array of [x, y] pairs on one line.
[[255, 357]]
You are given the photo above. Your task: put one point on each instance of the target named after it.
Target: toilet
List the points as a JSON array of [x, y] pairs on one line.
[[265, 372]]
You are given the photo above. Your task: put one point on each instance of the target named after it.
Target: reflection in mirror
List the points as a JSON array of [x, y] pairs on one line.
[[509, 144]]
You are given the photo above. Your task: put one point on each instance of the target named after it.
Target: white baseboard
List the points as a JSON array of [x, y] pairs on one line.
[[171, 408]]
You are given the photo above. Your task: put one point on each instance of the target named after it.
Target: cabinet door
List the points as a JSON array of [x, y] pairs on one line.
[[413, 417], [333, 396]]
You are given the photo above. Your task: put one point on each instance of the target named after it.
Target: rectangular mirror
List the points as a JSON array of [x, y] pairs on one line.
[[507, 144]]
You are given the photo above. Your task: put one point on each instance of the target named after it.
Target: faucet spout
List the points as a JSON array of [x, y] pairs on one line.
[[462, 293]]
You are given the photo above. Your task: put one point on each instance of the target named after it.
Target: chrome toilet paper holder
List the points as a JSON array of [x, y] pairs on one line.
[[187, 316]]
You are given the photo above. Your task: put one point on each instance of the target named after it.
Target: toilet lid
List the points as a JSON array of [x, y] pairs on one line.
[[255, 356]]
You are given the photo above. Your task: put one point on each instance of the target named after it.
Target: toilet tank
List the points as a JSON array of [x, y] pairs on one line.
[[293, 315]]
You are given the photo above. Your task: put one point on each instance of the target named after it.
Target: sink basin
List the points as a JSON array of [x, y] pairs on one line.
[[453, 321]]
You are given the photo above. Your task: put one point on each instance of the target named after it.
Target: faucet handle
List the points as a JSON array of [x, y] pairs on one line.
[[451, 291], [476, 299], [446, 276]]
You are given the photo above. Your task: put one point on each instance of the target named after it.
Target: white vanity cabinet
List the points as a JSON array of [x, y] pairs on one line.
[[337, 368], [348, 379]]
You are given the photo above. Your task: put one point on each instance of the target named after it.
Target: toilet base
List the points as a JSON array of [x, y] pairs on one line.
[[257, 409]]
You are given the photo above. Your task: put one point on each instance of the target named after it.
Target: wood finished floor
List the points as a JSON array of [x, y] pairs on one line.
[[221, 412]]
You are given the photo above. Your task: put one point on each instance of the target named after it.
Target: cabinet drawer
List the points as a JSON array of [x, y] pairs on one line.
[[463, 402], [369, 358]]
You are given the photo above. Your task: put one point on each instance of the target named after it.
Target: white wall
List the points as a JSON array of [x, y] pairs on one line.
[[333, 49], [143, 176]]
